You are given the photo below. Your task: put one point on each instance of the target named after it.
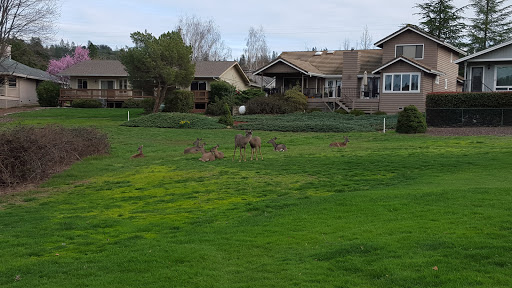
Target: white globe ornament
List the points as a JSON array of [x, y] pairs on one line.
[[241, 110]]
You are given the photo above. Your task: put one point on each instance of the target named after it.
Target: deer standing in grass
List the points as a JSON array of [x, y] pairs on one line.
[[340, 144], [196, 148], [140, 154], [208, 156], [241, 141], [277, 147], [255, 143]]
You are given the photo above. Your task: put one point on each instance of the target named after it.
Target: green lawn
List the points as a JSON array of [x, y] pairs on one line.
[[382, 212]]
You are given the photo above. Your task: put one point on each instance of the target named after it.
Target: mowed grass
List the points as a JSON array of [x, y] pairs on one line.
[[382, 212]]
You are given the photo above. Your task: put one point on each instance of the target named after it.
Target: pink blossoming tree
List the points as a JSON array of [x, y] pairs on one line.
[[57, 66]]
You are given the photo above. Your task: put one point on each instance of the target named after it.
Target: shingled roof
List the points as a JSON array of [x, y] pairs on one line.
[[11, 67], [112, 68], [327, 63]]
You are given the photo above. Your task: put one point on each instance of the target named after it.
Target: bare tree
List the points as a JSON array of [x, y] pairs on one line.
[[205, 39], [346, 44], [366, 39], [256, 52], [24, 19]]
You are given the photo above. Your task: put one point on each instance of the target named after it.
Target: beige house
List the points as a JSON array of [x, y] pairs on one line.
[[210, 71], [18, 83], [410, 64], [107, 80]]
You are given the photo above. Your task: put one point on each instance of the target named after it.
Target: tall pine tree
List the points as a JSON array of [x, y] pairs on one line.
[[491, 25], [442, 19]]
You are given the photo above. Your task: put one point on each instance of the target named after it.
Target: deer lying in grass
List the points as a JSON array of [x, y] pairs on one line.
[[196, 148], [241, 141], [255, 143], [140, 154], [208, 156], [340, 144], [218, 154], [277, 147]]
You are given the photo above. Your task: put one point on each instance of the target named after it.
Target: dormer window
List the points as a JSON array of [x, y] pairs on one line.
[[410, 51]]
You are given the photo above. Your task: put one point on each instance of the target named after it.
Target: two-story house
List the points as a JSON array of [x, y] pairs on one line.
[[410, 64]]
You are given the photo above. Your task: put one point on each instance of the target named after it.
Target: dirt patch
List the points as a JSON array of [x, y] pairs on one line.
[[470, 131], [7, 111]]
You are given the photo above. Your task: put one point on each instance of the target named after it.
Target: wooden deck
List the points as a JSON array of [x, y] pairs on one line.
[[109, 95]]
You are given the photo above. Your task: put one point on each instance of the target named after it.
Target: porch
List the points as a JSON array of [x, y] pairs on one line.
[[347, 99]]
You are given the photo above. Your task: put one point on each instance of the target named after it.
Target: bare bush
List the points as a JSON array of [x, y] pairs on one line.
[[29, 154]]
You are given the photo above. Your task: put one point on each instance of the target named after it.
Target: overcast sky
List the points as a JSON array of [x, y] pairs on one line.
[[289, 25]]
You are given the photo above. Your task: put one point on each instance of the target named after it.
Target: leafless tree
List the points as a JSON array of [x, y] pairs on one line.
[[366, 39], [24, 19], [346, 44], [204, 37], [256, 52]]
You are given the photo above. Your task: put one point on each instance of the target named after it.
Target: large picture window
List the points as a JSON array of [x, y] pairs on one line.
[[503, 78], [409, 51], [402, 83]]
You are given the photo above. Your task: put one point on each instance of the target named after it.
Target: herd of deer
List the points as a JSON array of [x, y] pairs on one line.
[[241, 142]]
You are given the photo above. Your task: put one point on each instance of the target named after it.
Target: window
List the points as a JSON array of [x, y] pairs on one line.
[[198, 85], [82, 83], [12, 82], [503, 78], [123, 83], [437, 80], [445, 83], [410, 51], [402, 82]]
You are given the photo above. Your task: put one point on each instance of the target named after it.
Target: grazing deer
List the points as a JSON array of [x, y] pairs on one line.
[[208, 156], [277, 147], [340, 144], [218, 154], [195, 149], [140, 154], [255, 143], [241, 141]]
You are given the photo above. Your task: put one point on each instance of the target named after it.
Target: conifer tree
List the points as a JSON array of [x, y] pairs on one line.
[[442, 19]]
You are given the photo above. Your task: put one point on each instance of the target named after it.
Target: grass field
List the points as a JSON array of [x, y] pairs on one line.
[[389, 210]]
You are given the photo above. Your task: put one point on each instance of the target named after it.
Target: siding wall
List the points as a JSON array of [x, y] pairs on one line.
[[451, 70], [279, 67], [410, 37], [28, 93], [94, 82], [233, 77]]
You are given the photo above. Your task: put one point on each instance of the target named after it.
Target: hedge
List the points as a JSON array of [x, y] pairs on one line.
[[470, 100]]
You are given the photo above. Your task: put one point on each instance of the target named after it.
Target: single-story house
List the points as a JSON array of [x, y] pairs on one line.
[[489, 69], [107, 80], [18, 82], [410, 64]]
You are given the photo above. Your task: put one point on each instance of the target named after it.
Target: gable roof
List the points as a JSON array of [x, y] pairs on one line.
[[414, 63], [215, 69], [325, 63], [490, 49], [410, 27], [15, 68], [96, 68]]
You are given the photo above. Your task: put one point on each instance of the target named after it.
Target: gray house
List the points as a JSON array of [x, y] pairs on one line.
[[489, 69]]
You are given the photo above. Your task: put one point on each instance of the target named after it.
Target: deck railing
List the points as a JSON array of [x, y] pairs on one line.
[[109, 94]]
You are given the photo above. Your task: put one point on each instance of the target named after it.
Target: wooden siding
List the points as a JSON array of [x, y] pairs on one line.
[[350, 69], [279, 68], [445, 64], [233, 77], [409, 37]]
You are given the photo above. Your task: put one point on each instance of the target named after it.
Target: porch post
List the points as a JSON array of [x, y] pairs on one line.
[[302, 83]]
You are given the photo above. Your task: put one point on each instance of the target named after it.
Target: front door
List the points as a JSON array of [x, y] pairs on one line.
[[477, 79]]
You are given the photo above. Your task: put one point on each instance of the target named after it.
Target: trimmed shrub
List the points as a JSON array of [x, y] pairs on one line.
[[86, 103], [222, 91], [29, 154], [216, 109], [179, 101], [296, 100], [356, 112], [148, 104], [173, 120], [226, 118], [380, 113], [248, 94], [48, 93], [341, 111], [470, 100], [411, 121], [132, 103], [273, 104]]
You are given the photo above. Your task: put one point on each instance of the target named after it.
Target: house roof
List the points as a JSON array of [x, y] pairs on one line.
[[412, 62], [96, 68], [215, 69], [325, 63], [260, 81], [490, 49], [410, 27], [15, 68]]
